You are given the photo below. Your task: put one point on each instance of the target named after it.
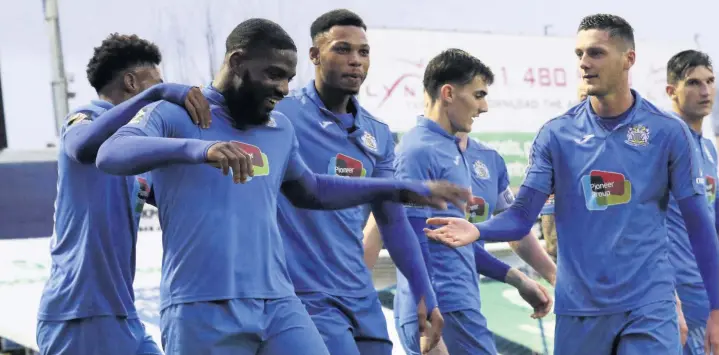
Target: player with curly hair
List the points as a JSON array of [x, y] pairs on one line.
[[87, 306]]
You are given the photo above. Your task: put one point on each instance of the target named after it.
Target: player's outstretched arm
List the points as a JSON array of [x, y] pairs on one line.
[[152, 140], [82, 142], [531, 251], [325, 192], [372, 242], [531, 291], [408, 248], [512, 224]]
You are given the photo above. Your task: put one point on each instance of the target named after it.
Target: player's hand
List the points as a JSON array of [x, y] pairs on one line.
[[441, 192], [537, 296], [711, 338], [226, 156], [683, 328], [430, 331], [199, 109], [455, 232]]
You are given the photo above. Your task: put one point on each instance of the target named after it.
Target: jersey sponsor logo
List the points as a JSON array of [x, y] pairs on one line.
[[343, 165], [260, 164], [584, 139], [710, 184], [477, 210], [143, 192], [638, 135], [138, 116], [369, 141], [604, 188], [77, 118], [481, 170]]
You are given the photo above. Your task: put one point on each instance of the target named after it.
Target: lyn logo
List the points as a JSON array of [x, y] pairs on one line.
[[604, 188], [342, 165], [260, 164], [477, 210]]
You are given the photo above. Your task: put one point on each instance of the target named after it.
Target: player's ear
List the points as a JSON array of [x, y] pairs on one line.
[[130, 81], [315, 55], [631, 57], [446, 93], [236, 61], [671, 91]]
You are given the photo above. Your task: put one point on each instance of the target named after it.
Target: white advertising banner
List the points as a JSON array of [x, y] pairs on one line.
[[536, 78]]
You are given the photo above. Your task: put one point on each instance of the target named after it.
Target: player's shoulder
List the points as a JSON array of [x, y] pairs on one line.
[[647, 111], [87, 112], [477, 146], [572, 114], [279, 121], [416, 142]]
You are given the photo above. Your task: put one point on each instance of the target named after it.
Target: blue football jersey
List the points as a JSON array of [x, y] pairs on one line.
[[94, 237], [689, 284], [324, 248], [428, 152], [220, 239], [612, 181]]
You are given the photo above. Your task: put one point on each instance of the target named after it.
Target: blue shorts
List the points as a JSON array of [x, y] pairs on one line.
[[465, 333], [349, 326], [95, 335], [651, 329], [240, 327], [695, 338]]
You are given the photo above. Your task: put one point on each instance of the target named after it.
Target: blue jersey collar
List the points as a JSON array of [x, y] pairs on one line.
[[425, 122], [103, 104], [213, 95], [311, 91], [625, 118]]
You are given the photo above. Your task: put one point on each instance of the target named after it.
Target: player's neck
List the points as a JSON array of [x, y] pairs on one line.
[[335, 100], [223, 79], [436, 114], [695, 123], [612, 105], [463, 142], [113, 97]]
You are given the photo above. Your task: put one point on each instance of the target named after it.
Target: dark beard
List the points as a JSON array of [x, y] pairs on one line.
[[246, 104]]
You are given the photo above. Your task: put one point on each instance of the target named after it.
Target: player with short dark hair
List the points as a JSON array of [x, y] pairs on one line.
[[97, 215], [612, 161], [456, 85], [337, 136], [225, 286], [691, 88]]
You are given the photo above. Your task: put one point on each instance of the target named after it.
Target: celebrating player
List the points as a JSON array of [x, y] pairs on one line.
[[611, 162], [456, 84], [690, 86], [225, 285], [337, 136], [93, 244]]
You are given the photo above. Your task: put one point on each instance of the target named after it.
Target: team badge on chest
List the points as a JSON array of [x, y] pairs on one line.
[[369, 141], [638, 135], [481, 170]]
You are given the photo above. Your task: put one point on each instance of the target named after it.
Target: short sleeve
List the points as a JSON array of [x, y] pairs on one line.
[[685, 178], [540, 173]]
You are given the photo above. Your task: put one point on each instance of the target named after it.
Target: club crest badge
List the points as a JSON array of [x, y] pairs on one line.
[[481, 170], [369, 141], [638, 136]]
